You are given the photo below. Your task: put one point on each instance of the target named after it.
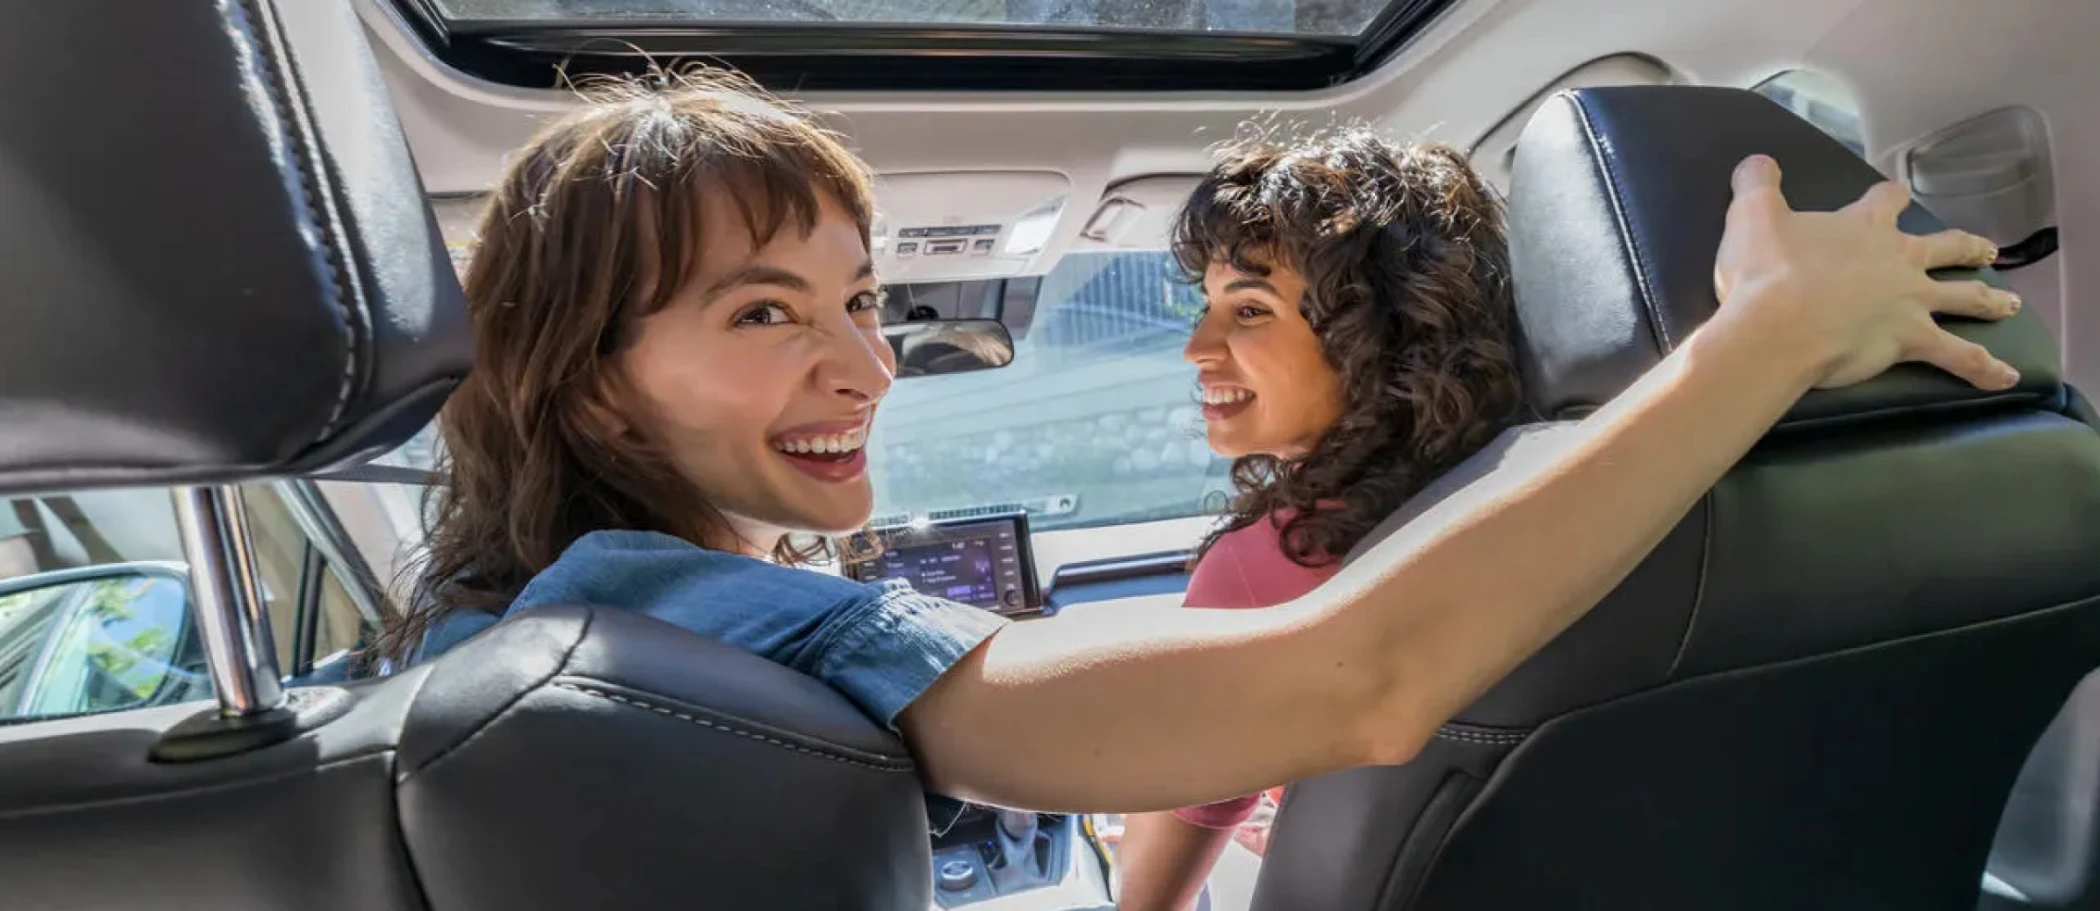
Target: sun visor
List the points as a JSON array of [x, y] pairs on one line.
[[1618, 199]]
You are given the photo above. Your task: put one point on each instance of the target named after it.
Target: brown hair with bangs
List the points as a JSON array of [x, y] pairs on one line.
[[1406, 267], [596, 224]]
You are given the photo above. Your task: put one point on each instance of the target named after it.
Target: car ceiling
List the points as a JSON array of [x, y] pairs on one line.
[[1916, 67]]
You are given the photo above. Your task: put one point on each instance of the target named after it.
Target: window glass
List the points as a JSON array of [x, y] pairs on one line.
[[94, 605], [67, 530], [1821, 101], [1282, 17], [1094, 423], [295, 580]]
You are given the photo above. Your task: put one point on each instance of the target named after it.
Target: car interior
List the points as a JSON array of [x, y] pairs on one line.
[[1857, 675]]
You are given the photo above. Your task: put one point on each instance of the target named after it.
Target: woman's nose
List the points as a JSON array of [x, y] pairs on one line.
[[858, 364], [1206, 343]]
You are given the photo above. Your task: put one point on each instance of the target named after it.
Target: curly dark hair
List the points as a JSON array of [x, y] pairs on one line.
[[1406, 267]]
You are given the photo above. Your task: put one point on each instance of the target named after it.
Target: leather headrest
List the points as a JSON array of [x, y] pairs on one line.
[[215, 258], [1617, 202]]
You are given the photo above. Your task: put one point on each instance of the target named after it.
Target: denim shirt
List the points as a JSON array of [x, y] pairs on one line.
[[881, 645]]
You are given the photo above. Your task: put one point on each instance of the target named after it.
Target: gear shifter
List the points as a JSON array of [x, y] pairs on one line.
[[1017, 867]]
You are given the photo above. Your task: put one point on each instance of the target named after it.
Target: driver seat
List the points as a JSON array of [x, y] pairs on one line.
[[220, 268], [1818, 689]]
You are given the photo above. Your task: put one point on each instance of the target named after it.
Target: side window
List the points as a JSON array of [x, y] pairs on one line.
[[95, 603], [1821, 101], [313, 617]]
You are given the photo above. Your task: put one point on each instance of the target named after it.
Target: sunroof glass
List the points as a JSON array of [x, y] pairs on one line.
[[1336, 18]]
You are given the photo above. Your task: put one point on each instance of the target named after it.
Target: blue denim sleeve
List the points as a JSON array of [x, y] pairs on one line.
[[881, 645]]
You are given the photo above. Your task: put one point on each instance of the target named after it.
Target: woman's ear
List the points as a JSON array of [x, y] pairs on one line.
[[607, 405]]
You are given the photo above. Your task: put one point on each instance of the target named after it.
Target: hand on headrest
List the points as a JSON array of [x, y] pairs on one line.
[[1618, 199], [1873, 304]]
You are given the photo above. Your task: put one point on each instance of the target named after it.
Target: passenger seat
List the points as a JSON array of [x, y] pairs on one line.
[[1818, 689]]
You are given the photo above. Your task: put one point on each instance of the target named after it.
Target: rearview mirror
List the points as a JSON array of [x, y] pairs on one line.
[[944, 346], [97, 639]]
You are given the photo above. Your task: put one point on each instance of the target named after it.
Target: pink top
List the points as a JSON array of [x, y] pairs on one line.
[[1246, 568]]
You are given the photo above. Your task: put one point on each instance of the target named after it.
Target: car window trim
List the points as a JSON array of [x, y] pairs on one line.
[[547, 53]]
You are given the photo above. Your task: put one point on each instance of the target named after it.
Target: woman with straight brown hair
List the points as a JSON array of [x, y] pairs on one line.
[[675, 308]]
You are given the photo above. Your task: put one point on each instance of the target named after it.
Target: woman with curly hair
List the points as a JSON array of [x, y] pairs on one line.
[[1355, 344]]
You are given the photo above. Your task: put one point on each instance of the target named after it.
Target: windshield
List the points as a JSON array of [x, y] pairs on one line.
[[1094, 423], [1283, 17]]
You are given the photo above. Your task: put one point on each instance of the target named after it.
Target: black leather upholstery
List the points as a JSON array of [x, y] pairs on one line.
[[1817, 691], [217, 265], [2047, 853], [206, 260], [567, 759], [580, 759], [1644, 171]]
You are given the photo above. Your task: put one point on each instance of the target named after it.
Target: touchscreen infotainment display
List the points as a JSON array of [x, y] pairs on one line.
[[982, 561]]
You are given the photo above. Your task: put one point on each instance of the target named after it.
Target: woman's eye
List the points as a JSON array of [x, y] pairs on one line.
[[768, 314], [864, 301], [1251, 312]]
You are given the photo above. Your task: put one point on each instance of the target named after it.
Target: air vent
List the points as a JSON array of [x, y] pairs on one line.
[[971, 512], [1061, 504]]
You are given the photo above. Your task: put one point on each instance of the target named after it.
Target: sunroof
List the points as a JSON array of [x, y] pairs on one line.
[[1339, 18], [932, 45]]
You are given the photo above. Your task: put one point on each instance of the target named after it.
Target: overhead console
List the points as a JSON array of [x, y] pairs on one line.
[[950, 226]]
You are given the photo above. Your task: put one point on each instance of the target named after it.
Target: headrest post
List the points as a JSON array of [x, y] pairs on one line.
[[227, 594]]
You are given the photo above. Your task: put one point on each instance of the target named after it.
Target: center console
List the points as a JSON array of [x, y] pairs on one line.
[[1021, 859], [1016, 859]]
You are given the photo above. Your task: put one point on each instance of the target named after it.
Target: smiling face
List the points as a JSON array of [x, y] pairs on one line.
[[761, 375], [1266, 387]]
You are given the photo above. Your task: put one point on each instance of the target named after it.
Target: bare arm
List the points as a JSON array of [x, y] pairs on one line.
[[1102, 713]]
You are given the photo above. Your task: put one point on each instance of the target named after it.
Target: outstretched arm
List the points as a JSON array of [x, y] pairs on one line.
[[1105, 712]]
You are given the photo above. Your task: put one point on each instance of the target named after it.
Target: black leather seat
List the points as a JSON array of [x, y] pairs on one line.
[[2047, 853], [218, 267], [1818, 690]]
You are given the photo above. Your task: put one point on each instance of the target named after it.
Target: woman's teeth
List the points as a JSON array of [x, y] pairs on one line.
[[1226, 395], [828, 444]]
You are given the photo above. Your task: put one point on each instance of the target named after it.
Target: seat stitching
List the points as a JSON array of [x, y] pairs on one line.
[[279, 77], [728, 729], [1508, 738], [1602, 149]]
